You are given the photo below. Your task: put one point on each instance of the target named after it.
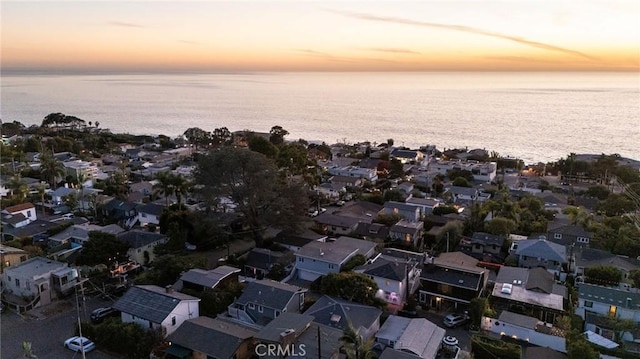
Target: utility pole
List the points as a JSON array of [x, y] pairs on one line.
[[80, 322]]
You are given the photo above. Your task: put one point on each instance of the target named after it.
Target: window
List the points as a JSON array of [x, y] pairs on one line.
[[612, 310], [29, 214], [27, 285], [557, 235], [300, 259], [583, 240], [173, 320], [260, 309], [64, 280], [17, 282], [252, 306], [588, 304]]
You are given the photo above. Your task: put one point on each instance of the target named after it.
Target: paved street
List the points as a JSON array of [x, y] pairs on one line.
[[46, 328]]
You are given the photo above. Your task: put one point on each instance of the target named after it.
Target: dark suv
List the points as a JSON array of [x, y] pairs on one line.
[[98, 315]]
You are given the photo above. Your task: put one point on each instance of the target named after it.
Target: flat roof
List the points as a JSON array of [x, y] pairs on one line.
[[521, 294]]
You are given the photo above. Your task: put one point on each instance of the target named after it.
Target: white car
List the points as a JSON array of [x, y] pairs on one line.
[[79, 343]]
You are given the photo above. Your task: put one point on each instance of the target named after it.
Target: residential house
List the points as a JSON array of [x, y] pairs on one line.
[[364, 211], [346, 181], [261, 260], [372, 231], [531, 291], [410, 233], [406, 188], [294, 241], [209, 338], [10, 256], [321, 258], [463, 194], [418, 336], [298, 332], [37, 281], [142, 244], [451, 279], [484, 246], [79, 233], [526, 328], [368, 174], [532, 253], [609, 327], [58, 196], [264, 300], [19, 230], [339, 314], [205, 280], [121, 211], [330, 223], [588, 258], [604, 307], [570, 236], [154, 307], [426, 204], [331, 190], [149, 214], [28, 210], [14, 220], [80, 168], [397, 278], [406, 156], [409, 212], [618, 302]]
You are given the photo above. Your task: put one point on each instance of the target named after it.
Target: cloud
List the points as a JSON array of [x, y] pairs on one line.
[[462, 28], [393, 50], [124, 24], [189, 42]]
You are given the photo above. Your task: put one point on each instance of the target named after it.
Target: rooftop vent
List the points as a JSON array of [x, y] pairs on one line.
[[335, 318]]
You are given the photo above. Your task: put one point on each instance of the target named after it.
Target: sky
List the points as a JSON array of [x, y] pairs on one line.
[[228, 36]]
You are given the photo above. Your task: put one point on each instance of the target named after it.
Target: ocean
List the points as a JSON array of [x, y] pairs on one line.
[[533, 116]]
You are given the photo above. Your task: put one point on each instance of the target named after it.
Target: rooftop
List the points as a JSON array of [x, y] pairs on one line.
[[150, 302], [522, 295], [336, 251], [208, 278], [338, 313], [269, 293], [214, 337], [624, 298], [418, 336], [34, 267]]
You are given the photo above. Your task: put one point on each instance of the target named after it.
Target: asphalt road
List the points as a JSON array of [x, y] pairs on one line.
[[46, 329]]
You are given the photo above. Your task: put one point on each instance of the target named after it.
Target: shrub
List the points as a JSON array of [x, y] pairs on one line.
[[487, 348]]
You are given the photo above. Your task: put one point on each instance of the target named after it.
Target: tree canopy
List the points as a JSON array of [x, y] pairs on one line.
[[253, 184], [102, 248], [356, 287]]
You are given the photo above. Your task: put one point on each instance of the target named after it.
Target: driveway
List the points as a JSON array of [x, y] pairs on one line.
[[463, 335]]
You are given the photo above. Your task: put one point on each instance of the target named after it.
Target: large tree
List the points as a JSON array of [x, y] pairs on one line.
[[50, 167], [197, 136], [102, 248], [277, 135], [254, 185], [356, 287]]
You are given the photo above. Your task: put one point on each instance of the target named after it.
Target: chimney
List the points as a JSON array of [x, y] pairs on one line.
[[168, 289], [288, 337]]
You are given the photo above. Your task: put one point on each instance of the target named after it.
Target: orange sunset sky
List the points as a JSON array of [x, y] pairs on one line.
[[508, 35]]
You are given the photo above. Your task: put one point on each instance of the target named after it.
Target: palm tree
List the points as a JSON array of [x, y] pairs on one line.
[[50, 167], [82, 178], [181, 186], [164, 186], [18, 187], [355, 346], [42, 190]]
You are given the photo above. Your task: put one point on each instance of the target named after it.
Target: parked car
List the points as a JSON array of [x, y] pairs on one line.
[[79, 344], [98, 315], [340, 203], [455, 320]]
